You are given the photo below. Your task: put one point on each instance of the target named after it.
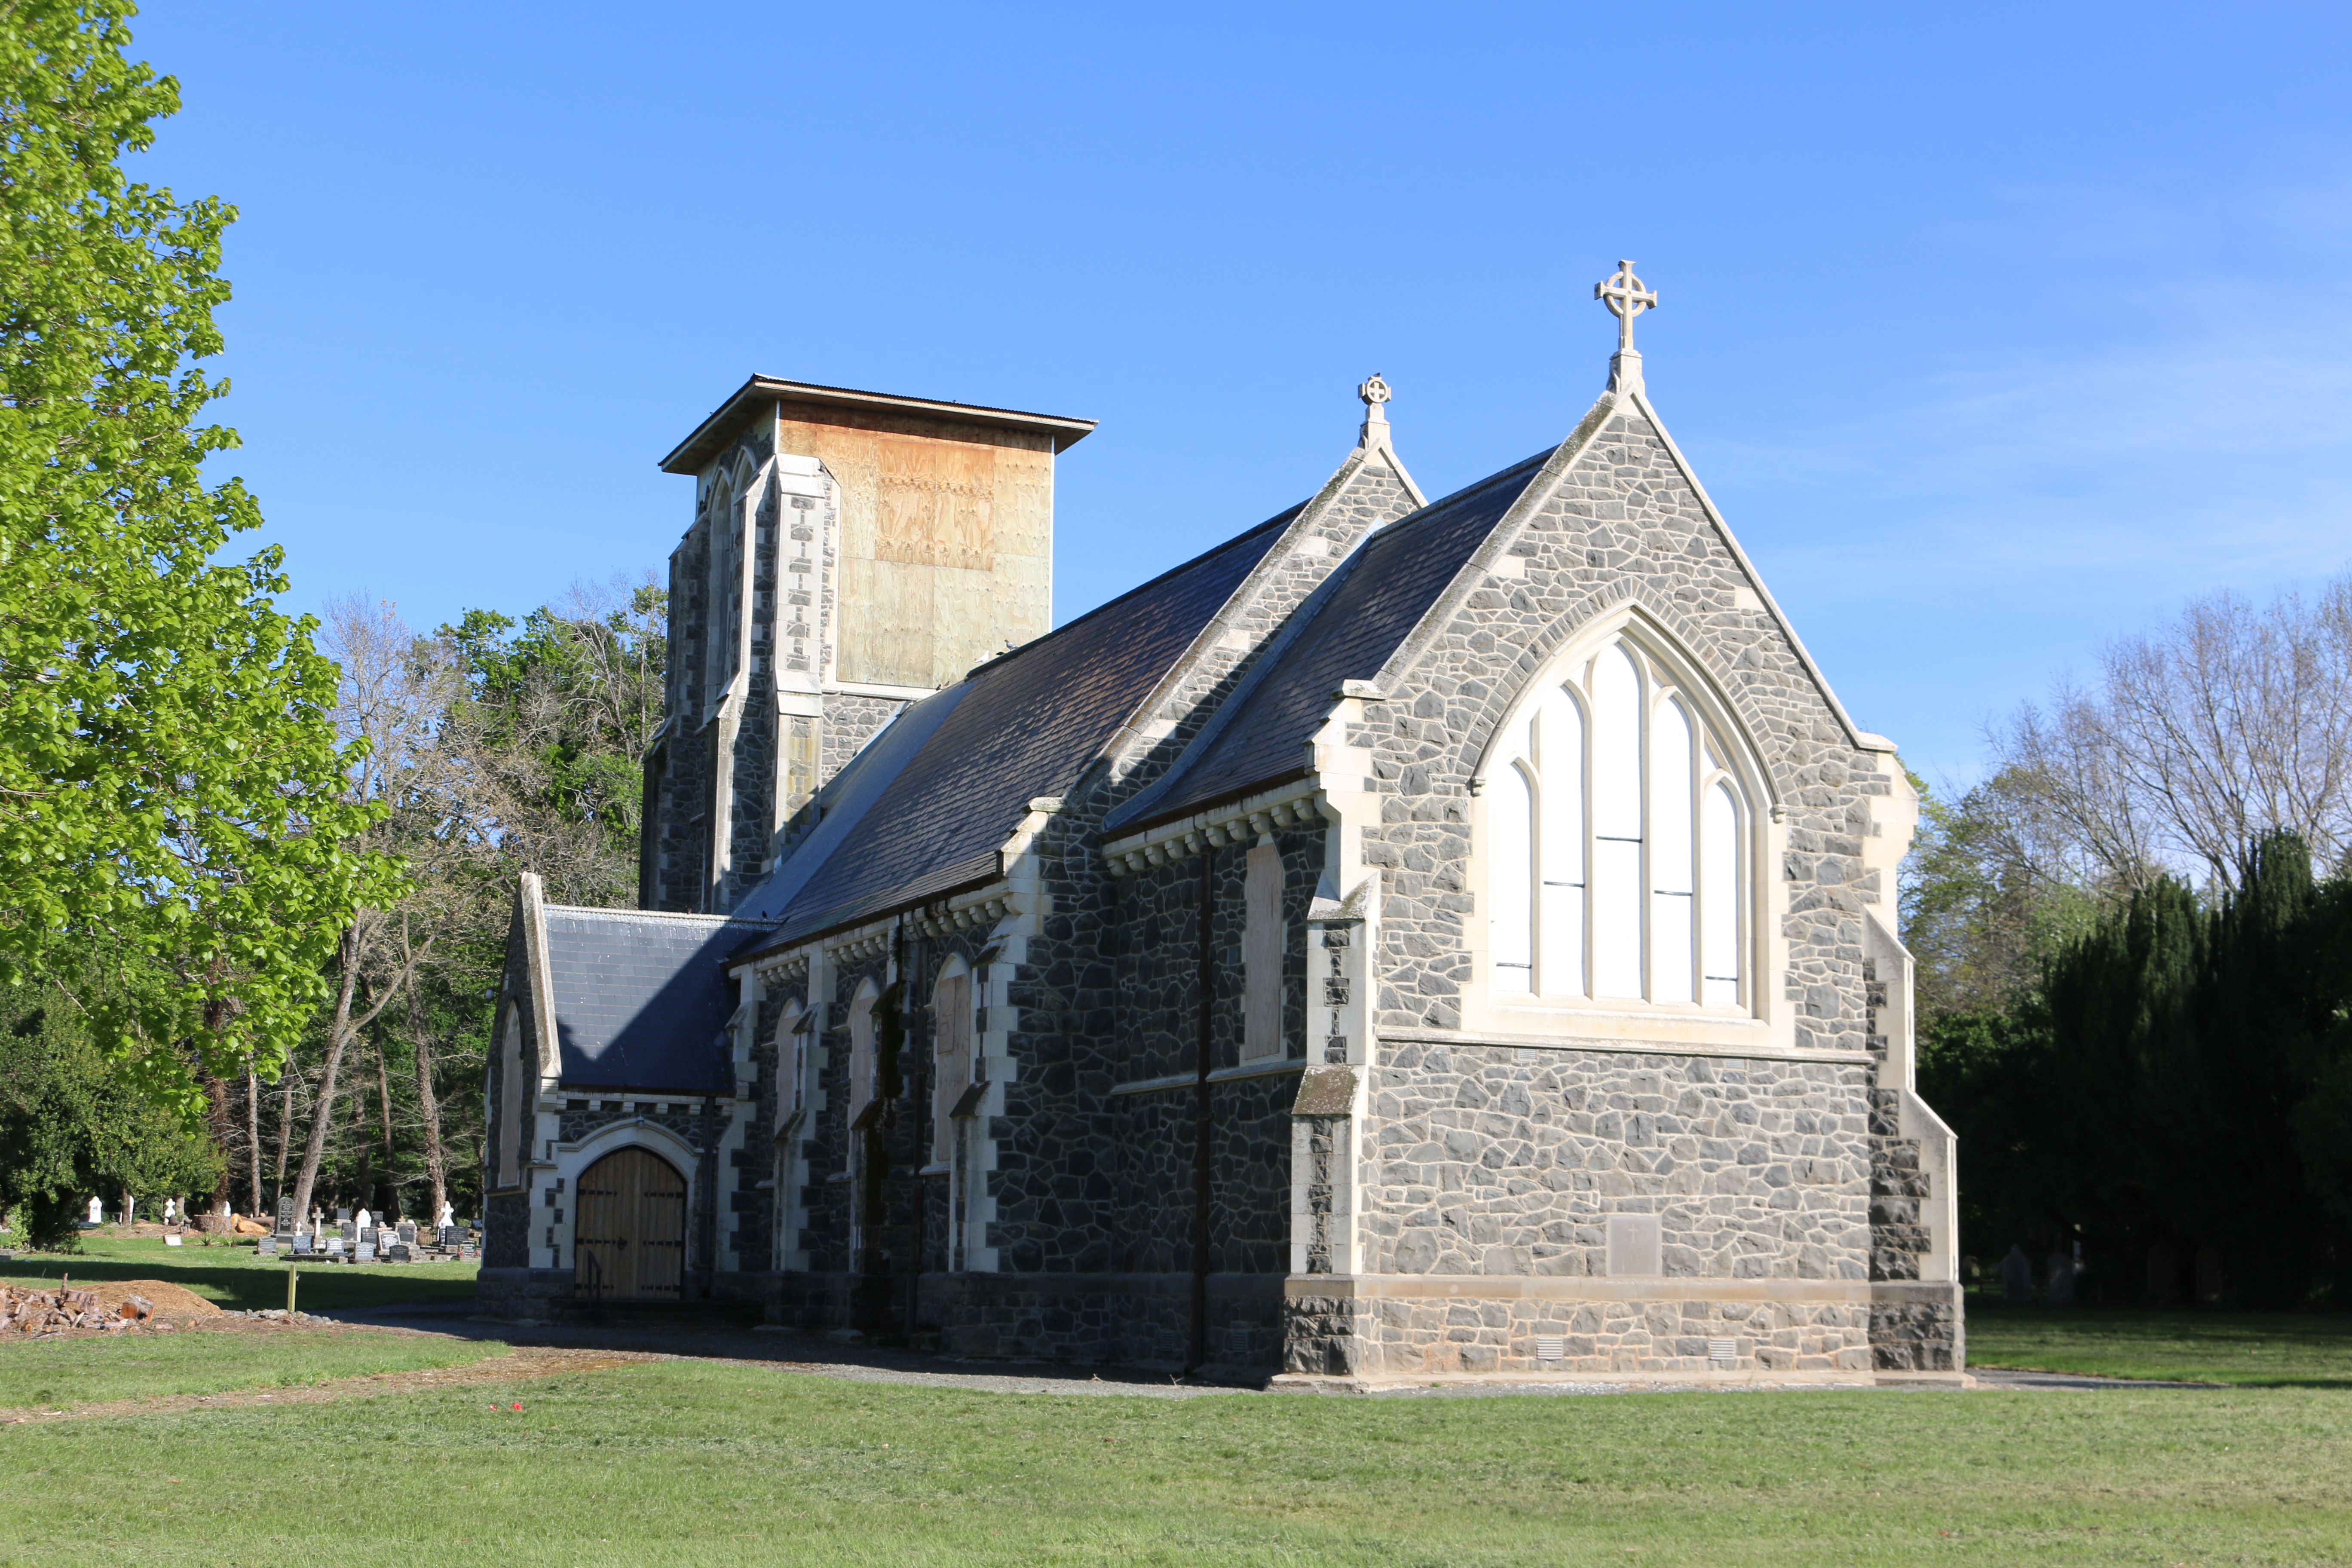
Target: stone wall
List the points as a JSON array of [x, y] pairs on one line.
[[849, 723], [1503, 1160]]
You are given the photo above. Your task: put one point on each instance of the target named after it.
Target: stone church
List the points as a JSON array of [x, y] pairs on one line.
[[1413, 940]]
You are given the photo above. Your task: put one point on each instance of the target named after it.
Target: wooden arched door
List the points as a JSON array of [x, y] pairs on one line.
[[629, 1237]]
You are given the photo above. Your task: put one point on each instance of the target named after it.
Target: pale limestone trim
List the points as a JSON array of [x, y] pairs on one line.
[[1618, 1382], [887, 693], [1144, 727], [541, 978], [1915, 1120], [571, 1161], [1753, 1049], [1220, 1074], [1578, 1287], [1297, 805], [1475, 572]]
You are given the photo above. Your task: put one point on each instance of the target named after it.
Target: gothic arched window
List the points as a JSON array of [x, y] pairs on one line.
[[1619, 868]]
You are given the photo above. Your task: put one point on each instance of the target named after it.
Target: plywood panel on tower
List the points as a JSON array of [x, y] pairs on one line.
[[945, 539], [936, 504], [889, 623]]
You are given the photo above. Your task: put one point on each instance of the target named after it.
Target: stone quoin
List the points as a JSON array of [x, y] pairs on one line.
[[1414, 940]]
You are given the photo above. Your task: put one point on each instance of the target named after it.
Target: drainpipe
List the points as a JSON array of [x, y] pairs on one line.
[[911, 967], [1207, 986]]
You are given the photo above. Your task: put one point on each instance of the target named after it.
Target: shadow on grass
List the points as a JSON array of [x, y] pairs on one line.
[[250, 1282], [2244, 1349]]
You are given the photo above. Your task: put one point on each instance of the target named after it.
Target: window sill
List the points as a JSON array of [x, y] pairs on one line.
[[1265, 1068]]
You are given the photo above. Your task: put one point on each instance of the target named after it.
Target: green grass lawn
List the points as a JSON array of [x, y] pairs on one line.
[[238, 1277], [58, 1373], [689, 1462], [2251, 1350]]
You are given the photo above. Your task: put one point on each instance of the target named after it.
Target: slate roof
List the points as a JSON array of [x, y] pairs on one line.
[[1021, 726], [1375, 600], [640, 998]]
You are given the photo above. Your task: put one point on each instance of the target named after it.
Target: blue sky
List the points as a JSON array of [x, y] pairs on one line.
[[1995, 331]]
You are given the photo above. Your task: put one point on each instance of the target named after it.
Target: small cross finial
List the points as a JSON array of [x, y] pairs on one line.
[[1626, 297], [1374, 392]]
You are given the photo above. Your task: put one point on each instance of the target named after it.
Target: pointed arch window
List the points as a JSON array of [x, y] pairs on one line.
[[1620, 867]]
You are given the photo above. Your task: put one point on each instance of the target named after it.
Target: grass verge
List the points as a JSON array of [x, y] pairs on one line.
[[2248, 1349], [683, 1462], [59, 1373]]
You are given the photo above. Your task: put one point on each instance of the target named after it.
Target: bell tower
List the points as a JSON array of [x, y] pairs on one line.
[[850, 552]]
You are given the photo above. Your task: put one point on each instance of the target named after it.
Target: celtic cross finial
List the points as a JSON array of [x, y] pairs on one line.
[[1374, 392], [1626, 298]]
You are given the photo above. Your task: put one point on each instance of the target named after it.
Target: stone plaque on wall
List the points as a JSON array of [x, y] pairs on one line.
[[1634, 1245]]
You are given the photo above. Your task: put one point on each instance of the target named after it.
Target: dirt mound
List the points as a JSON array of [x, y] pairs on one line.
[[168, 1300]]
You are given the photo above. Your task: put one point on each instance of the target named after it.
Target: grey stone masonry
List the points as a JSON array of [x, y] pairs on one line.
[[1509, 1161]]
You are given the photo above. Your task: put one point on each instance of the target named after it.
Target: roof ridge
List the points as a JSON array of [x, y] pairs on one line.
[[651, 914], [1177, 783]]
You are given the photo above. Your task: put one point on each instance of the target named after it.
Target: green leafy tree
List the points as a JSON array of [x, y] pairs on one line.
[[73, 1126], [171, 790]]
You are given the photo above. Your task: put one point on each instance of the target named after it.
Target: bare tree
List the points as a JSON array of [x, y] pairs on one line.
[[2201, 737], [396, 689]]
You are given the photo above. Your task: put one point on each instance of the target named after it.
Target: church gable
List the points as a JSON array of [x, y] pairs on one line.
[[1370, 489], [1614, 547]]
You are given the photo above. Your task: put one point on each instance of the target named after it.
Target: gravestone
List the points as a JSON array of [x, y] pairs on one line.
[[97, 1212], [406, 1231], [397, 1253], [449, 1235], [302, 1241], [447, 1218], [366, 1253], [287, 1220], [334, 1246], [172, 1239], [267, 1246], [367, 1235], [349, 1232], [2016, 1277], [365, 1221], [2210, 1279], [2060, 1274], [2163, 1274]]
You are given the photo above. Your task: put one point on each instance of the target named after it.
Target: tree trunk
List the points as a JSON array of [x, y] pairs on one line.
[[216, 1122], [339, 1034], [428, 1104], [286, 1129], [253, 1142], [391, 1185], [366, 1184]]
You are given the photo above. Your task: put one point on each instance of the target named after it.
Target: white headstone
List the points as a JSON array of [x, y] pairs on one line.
[[97, 1211], [447, 1216], [366, 1223], [170, 1206]]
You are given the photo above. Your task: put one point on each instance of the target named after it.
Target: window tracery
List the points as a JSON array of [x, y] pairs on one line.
[[1620, 867]]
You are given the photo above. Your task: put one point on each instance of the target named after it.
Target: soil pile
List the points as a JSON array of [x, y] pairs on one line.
[[168, 1301]]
